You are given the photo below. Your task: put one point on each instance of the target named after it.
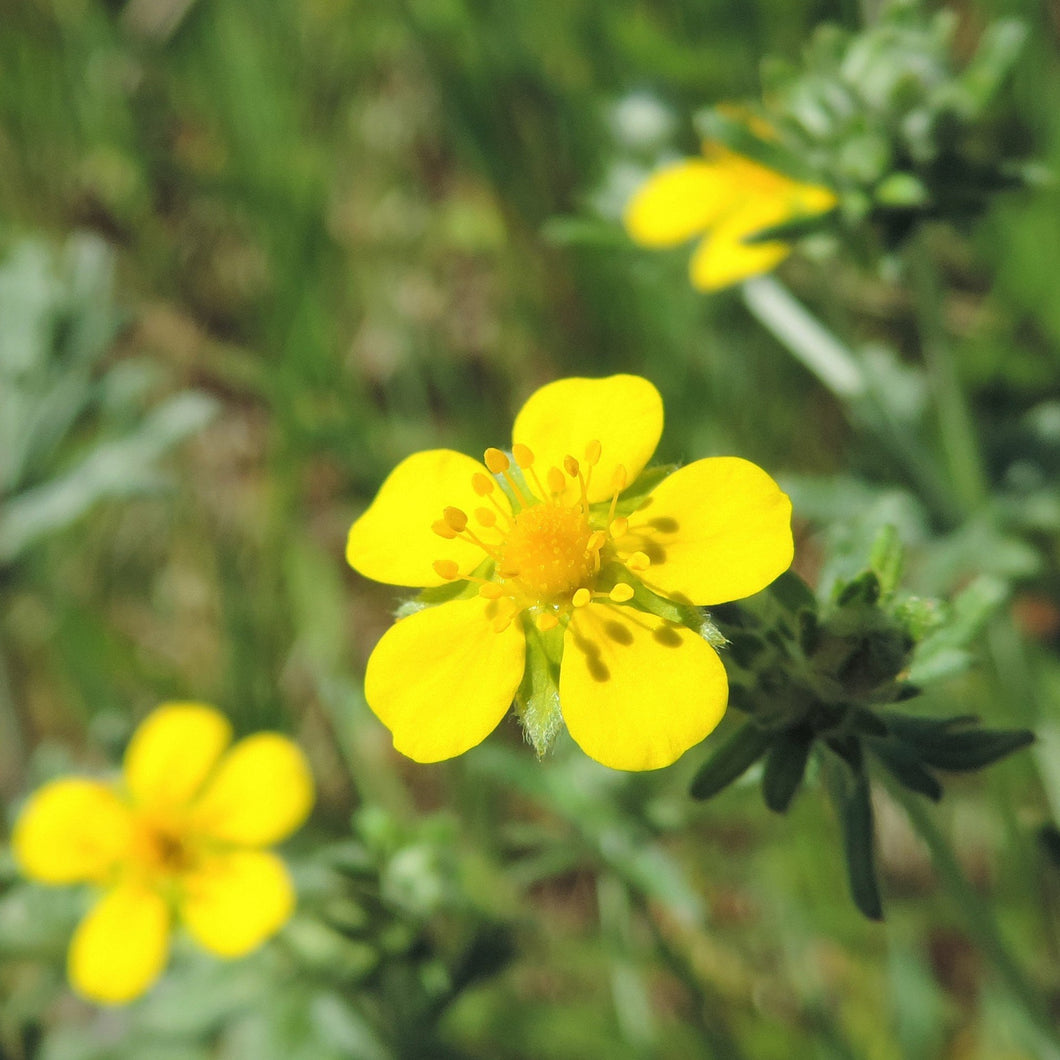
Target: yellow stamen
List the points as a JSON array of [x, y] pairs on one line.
[[556, 482], [597, 540], [638, 561], [571, 466], [581, 598], [455, 519], [496, 461], [443, 529], [546, 621], [446, 568], [483, 485], [618, 484], [491, 591], [621, 593], [524, 457], [618, 527], [592, 452]]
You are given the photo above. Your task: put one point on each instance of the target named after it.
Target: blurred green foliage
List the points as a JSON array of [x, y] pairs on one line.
[[256, 253]]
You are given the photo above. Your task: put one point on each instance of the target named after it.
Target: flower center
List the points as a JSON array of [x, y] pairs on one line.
[[548, 546], [160, 849], [548, 554]]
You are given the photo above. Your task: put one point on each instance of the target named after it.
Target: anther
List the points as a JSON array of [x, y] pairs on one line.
[[592, 452], [546, 621], [621, 593], [597, 540], [581, 597], [443, 529], [455, 519], [619, 478], [638, 561], [446, 568], [482, 484], [524, 457], [571, 466], [618, 527], [491, 591], [556, 482], [486, 516], [496, 461]]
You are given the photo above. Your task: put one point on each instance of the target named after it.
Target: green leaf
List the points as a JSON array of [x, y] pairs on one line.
[[887, 557], [785, 766], [862, 589], [730, 761], [851, 797], [901, 762], [974, 749]]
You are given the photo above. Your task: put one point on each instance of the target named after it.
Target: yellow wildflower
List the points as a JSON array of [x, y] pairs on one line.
[[728, 199], [181, 838], [549, 552]]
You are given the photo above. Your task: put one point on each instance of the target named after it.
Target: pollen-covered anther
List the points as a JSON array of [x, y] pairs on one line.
[[638, 561], [581, 598], [496, 461], [592, 452], [446, 568], [524, 456], [455, 519], [621, 593], [618, 527], [547, 620], [483, 485], [570, 465], [619, 479], [491, 591], [597, 540], [443, 529], [556, 482]]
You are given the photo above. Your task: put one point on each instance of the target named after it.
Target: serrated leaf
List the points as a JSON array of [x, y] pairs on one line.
[[785, 766], [730, 761]]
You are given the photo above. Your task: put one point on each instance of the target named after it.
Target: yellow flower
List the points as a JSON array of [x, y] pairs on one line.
[[729, 199], [182, 838], [549, 553]]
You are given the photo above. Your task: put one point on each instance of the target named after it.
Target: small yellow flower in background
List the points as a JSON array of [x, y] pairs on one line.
[[548, 551], [728, 199], [179, 840]]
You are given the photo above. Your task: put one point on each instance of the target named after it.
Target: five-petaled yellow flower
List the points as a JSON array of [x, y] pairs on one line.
[[728, 199], [544, 545], [181, 838]]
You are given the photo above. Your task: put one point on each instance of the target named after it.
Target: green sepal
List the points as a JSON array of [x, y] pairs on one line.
[[537, 700], [461, 589], [636, 493], [730, 761], [785, 766], [849, 791]]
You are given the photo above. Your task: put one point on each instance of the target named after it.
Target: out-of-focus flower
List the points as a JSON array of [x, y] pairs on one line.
[[181, 838], [728, 199], [557, 565]]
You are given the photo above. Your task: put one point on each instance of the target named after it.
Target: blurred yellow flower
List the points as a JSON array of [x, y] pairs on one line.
[[543, 548], [728, 199], [181, 839]]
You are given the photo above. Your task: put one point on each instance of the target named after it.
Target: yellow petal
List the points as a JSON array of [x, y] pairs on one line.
[[678, 202], [261, 792], [235, 901], [622, 412], [393, 541], [716, 530], [121, 946], [173, 752], [71, 831], [442, 679], [726, 256], [637, 691]]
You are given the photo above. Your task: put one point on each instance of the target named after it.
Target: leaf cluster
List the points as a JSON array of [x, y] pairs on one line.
[[830, 683]]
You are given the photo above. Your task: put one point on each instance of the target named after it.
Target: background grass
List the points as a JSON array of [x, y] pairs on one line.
[[358, 230]]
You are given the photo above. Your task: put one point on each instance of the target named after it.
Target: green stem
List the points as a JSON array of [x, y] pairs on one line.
[[960, 443], [979, 921]]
